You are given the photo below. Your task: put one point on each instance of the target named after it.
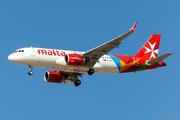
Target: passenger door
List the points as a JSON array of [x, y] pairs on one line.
[[32, 52]]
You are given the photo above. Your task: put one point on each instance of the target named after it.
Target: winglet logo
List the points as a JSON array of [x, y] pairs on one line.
[[151, 50], [134, 27]]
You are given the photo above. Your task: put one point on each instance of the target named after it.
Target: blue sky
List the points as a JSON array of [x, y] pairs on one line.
[[83, 25]]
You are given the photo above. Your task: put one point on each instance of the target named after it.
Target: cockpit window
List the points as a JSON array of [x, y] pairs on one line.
[[19, 51]]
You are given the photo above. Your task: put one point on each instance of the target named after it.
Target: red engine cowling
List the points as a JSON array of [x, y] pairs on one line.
[[74, 60], [53, 76]]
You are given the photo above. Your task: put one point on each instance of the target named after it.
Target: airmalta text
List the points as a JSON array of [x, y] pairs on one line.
[[51, 52]]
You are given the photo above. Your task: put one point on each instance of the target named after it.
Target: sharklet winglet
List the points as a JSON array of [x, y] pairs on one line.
[[133, 27]]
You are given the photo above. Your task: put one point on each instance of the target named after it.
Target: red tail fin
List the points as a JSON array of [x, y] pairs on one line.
[[150, 48]]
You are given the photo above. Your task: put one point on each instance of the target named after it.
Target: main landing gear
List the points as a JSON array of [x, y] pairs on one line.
[[77, 83], [30, 72], [90, 71]]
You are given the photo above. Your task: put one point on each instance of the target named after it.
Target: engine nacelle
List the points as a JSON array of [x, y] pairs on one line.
[[53, 76], [74, 60]]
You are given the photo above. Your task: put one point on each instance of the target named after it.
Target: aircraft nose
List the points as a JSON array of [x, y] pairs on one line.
[[12, 57]]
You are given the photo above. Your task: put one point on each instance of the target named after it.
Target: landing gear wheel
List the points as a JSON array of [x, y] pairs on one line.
[[77, 83], [90, 71], [30, 73]]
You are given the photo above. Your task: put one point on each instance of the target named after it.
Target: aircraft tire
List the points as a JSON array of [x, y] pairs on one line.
[[90, 71], [77, 83], [30, 73]]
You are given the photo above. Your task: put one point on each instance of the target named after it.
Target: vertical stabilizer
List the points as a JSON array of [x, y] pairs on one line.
[[150, 49]]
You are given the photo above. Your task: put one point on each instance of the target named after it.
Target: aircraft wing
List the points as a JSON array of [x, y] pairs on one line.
[[96, 53]]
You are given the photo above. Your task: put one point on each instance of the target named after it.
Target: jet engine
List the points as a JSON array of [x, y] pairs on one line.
[[74, 60], [53, 76]]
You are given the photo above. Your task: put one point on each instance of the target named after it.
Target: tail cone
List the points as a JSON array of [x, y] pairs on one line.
[[163, 63]]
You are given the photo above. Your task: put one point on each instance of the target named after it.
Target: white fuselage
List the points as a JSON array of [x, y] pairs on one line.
[[52, 58]]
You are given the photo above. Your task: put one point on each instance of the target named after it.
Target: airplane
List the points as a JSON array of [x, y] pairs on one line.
[[70, 65]]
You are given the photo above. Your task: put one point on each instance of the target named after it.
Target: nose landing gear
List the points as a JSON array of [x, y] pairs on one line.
[[30, 72]]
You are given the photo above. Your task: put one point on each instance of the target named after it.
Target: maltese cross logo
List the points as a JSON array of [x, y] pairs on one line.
[[151, 50]]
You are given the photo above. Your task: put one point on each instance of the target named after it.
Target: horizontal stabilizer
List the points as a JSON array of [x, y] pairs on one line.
[[159, 59]]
